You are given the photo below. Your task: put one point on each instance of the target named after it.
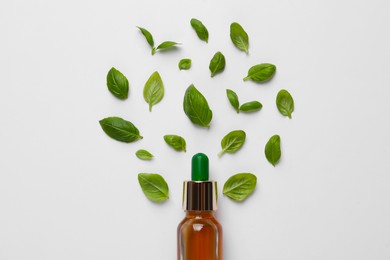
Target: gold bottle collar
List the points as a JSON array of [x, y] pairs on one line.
[[200, 195]]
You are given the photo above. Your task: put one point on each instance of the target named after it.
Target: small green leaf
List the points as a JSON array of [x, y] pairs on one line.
[[261, 72], [239, 37], [176, 142], [144, 155], [148, 36], [217, 64], [200, 29], [272, 150], [185, 64], [165, 45], [120, 129], [117, 83], [153, 90], [154, 186], [285, 103], [251, 106], [232, 142], [233, 99], [238, 187], [196, 107]]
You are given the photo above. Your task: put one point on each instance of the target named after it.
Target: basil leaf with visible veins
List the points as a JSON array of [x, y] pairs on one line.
[[176, 142], [217, 64], [165, 45], [272, 150], [196, 107], [144, 155], [184, 64], [153, 90], [148, 36], [117, 84], [238, 187], [154, 186], [261, 72], [200, 29], [120, 129], [233, 99], [232, 142], [285, 103], [239, 37]]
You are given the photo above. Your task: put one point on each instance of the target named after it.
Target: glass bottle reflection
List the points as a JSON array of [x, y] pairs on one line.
[[199, 237]]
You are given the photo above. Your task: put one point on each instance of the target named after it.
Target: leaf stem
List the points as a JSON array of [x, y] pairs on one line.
[[246, 78], [221, 153]]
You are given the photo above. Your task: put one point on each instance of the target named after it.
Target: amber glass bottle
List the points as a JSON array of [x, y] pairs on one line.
[[199, 235]]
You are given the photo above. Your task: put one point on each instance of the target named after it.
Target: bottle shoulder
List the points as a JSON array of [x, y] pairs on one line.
[[194, 221]]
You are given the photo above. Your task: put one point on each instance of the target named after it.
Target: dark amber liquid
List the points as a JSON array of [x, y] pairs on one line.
[[199, 237]]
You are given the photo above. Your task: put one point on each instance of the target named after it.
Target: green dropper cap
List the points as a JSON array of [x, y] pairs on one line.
[[200, 167]]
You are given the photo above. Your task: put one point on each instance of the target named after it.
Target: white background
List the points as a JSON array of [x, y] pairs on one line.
[[67, 191]]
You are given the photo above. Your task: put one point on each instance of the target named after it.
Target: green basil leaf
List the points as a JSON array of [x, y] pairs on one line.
[[261, 72], [272, 150], [153, 90], [144, 155], [233, 99], [196, 107], [154, 186], [285, 103], [117, 83], [185, 64], [232, 142], [239, 37], [200, 29], [148, 36], [165, 45], [238, 187], [217, 64], [176, 142], [120, 129], [251, 106]]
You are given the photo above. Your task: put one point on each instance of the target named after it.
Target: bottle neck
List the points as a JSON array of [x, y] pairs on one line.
[[200, 214]]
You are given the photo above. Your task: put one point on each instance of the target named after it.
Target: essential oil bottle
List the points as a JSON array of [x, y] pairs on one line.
[[199, 235]]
